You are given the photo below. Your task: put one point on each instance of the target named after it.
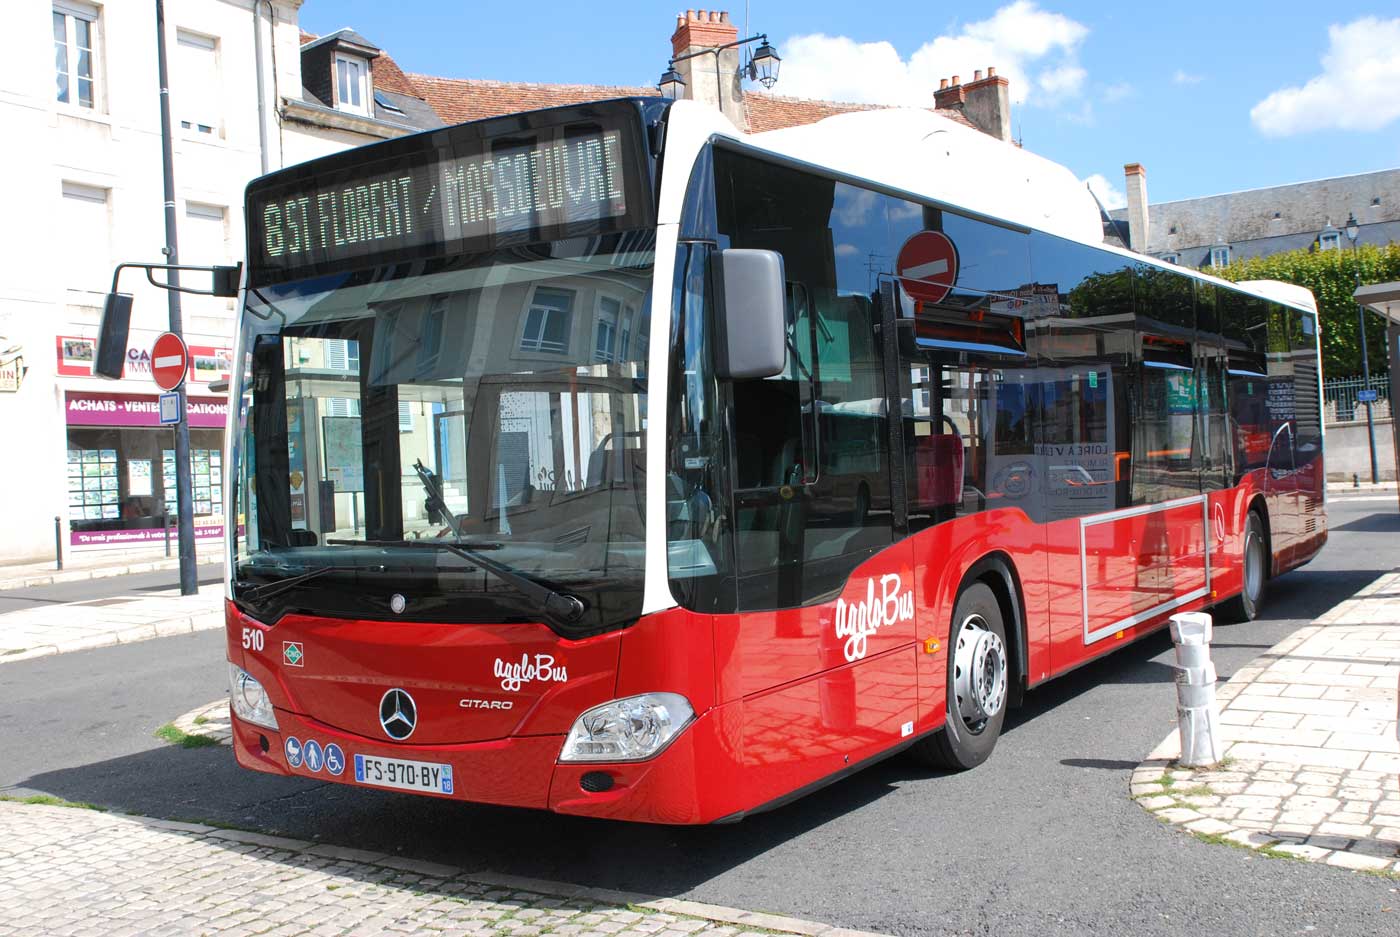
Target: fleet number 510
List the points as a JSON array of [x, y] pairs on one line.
[[252, 639]]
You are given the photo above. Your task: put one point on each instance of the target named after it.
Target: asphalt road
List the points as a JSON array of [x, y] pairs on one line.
[[165, 581], [1040, 840]]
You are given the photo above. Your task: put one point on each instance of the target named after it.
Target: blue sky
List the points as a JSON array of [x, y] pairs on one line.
[[1209, 97]]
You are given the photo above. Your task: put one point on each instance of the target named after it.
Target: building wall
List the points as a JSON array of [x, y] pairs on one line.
[[1348, 451], [85, 192]]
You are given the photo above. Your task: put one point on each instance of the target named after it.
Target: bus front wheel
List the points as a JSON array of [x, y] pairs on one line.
[[1245, 606], [978, 682]]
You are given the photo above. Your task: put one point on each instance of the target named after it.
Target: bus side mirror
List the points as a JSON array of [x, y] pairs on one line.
[[752, 312], [110, 356]]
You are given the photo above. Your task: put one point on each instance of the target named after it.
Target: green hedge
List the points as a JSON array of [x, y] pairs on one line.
[[1331, 275]]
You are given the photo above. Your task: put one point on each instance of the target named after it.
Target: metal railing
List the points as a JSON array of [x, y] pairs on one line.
[[1339, 403]]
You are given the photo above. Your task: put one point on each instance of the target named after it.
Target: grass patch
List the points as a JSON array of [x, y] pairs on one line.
[[179, 737], [200, 720], [1200, 790], [48, 800]]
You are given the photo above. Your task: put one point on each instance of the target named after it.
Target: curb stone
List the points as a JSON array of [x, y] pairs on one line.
[[451, 874]]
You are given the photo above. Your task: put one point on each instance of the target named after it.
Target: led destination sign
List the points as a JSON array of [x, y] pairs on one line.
[[424, 199]]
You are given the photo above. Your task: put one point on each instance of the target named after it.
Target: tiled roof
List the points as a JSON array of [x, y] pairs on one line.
[[775, 112], [457, 100], [462, 99]]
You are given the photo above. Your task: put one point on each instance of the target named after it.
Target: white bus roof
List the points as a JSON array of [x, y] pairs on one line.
[[928, 155]]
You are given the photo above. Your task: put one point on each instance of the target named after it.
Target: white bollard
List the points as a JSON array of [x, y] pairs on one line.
[[1197, 715]]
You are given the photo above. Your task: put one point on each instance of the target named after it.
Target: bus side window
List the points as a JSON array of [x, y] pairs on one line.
[[951, 430]]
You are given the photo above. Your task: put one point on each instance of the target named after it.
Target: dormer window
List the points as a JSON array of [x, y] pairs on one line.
[[1172, 258], [1329, 240], [352, 91], [1220, 255]]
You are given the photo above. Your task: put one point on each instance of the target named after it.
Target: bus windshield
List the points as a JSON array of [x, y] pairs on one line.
[[494, 406]]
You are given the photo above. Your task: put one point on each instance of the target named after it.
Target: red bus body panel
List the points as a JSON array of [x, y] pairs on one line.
[[784, 700]]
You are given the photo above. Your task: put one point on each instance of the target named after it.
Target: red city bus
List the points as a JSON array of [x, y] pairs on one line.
[[586, 461]]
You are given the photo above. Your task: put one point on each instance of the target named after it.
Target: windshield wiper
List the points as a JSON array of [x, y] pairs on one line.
[[559, 605], [256, 591]]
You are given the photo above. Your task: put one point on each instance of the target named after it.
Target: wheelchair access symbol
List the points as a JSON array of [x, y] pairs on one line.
[[335, 759]]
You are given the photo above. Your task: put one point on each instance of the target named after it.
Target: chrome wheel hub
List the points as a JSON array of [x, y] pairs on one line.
[[979, 672]]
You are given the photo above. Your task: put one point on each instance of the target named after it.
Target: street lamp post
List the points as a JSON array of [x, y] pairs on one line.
[[1353, 230], [762, 67]]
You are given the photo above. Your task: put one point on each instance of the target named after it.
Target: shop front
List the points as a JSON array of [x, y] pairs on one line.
[[121, 468]]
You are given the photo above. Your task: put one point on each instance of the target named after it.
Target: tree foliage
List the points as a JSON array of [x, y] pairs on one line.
[[1331, 276]]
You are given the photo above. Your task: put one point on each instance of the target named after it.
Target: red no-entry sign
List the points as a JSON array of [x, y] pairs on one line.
[[928, 266], [169, 361]]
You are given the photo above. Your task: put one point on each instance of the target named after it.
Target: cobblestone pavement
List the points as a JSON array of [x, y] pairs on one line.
[[1311, 756], [70, 872], [76, 626]]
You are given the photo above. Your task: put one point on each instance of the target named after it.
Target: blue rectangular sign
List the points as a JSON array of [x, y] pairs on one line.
[[1366, 396], [169, 409]]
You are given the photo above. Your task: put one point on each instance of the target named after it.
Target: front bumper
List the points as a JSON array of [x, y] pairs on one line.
[[523, 771]]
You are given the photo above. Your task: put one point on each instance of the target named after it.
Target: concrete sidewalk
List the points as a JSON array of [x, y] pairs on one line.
[[100, 564], [1311, 758], [27, 633], [72, 871]]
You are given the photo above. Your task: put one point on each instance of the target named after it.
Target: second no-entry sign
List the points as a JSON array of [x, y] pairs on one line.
[[169, 361], [927, 266]]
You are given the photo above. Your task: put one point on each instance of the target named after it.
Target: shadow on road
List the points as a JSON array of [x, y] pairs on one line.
[[1384, 523]]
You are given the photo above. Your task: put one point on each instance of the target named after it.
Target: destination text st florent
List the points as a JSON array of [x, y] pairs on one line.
[[513, 189]]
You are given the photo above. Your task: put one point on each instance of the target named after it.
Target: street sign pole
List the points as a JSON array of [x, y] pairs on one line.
[[183, 495]]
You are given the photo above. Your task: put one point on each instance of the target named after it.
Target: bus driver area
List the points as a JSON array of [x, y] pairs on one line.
[[575, 478]]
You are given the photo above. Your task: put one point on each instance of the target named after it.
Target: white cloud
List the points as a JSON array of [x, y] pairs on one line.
[[1356, 90], [1110, 195], [1034, 49], [846, 250], [1186, 78]]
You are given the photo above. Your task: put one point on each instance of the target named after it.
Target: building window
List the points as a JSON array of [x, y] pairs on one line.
[[1220, 256], [204, 239], [1329, 240], [352, 84], [1171, 258], [74, 39], [549, 322], [87, 241], [197, 82], [383, 102]]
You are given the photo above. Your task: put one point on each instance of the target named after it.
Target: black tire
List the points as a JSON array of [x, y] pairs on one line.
[[967, 741], [1245, 606]]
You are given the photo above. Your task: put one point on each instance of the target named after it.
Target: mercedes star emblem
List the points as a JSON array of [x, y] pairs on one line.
[[397, 603], [398, 714]]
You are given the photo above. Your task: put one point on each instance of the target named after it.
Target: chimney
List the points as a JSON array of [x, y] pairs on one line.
[[1135, 184], [697, 30], [987, 103], [949, 95]]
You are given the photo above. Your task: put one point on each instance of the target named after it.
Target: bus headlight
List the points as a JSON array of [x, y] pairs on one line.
[[631, 729], [250, 700]]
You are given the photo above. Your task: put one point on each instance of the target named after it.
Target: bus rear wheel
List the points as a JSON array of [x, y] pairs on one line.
[[1245, 606], [978, 681]]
